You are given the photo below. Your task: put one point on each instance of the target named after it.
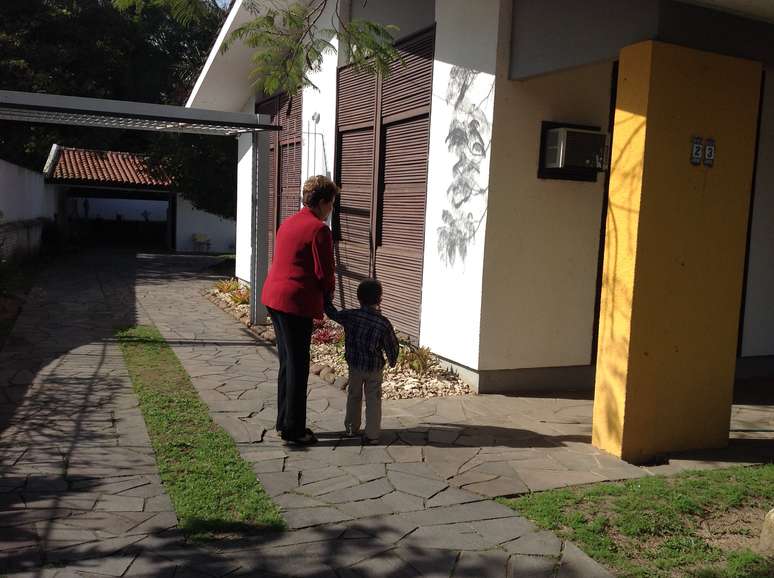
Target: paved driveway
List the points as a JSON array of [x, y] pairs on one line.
[[74, 446]]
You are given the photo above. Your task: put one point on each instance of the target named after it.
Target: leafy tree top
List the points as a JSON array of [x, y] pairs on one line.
[[289, 42]]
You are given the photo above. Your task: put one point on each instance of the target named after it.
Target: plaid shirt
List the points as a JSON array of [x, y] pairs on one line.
[[368, 336]]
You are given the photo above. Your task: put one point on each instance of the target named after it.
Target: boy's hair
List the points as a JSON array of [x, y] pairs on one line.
[[317, 189], [369, 292]]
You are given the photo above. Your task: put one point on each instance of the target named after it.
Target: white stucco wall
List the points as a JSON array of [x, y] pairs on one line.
[[319, 102], [245, 170], [408, 15], [456, 219], [758, 329], [540, 272], [190, 221], [24, 195], [129, 209]]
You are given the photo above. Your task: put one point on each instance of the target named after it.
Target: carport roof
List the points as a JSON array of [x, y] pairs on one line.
[[119, 114]]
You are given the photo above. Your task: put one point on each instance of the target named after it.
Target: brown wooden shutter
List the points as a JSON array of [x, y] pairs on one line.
[[284, 162], [289, 117], [356, 97], [383, 124], [406, 98]]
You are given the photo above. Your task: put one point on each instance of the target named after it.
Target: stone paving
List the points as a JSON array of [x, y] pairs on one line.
[[417, 504], [79, 478]]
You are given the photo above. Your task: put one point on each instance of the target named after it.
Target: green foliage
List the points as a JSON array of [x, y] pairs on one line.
[[227, 285], [417, 359], [185, 11], [288, 44], [369, 45], [241, 296], [649, 527], [213, 489], [202, 167], [16, 279]]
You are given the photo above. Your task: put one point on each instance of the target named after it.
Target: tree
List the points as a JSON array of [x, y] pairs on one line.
[[289, 43], [90, 48]]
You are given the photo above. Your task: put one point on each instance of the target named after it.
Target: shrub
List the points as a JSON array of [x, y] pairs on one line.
[[323, 335], [418, 359], [241, 296], [227, 285]]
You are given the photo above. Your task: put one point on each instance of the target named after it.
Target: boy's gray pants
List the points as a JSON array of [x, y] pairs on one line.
[[371, 381]]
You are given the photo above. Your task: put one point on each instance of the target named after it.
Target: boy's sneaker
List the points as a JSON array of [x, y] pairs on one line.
[[350, 431], [370, 441]]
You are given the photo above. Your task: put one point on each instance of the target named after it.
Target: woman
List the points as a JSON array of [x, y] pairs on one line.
[[300, 275]]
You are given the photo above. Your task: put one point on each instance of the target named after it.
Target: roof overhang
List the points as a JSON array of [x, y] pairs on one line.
[[755, 9], [119, 114], [224, 82]]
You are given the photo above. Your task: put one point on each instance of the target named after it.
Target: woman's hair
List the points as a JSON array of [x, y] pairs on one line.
[[319, 188]]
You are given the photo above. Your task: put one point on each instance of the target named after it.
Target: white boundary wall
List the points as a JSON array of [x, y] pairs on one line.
[[190, 221], [24, 195]]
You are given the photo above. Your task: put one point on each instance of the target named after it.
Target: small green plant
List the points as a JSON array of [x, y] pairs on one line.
[[241, 296], [227, 285], [417, 359]]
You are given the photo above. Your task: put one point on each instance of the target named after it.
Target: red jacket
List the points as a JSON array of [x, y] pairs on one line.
[[302, 269]]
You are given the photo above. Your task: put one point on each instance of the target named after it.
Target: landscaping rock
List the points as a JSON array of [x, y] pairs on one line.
[[767, 535], [328, 360], [399, 382]]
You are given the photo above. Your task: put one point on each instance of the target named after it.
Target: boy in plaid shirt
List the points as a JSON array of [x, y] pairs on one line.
[[368, 337]]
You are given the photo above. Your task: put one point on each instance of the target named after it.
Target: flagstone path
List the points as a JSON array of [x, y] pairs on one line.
[[74, 446]]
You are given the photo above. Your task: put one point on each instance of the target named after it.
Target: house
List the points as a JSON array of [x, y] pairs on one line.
[[109, 196], [651, 280]]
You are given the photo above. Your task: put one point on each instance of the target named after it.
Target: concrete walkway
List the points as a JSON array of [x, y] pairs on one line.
[[415, 505]]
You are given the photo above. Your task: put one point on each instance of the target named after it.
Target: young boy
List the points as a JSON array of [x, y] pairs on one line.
[[368, 337]]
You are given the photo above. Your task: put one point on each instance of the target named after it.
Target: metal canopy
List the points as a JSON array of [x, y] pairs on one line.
[[119, 114]]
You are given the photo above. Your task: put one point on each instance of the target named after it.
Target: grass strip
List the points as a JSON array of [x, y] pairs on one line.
[[214, 491], [686, 525]]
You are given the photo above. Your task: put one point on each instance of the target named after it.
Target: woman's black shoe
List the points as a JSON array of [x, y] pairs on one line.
[[307, 439]]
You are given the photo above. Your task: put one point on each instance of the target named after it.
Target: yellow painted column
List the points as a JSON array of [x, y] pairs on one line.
[[674, 250]]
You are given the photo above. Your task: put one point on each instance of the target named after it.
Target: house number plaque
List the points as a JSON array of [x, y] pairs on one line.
[[703, 151]]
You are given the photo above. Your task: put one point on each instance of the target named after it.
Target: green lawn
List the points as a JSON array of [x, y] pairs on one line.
[[687, 525], [213, 489]]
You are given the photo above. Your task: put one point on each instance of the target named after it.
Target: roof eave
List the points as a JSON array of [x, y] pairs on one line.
[[209, 92]]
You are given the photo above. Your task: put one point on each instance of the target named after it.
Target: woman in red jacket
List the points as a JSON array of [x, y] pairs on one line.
[[300, 275]]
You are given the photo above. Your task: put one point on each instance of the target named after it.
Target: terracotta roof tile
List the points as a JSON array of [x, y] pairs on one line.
[[107, 167]]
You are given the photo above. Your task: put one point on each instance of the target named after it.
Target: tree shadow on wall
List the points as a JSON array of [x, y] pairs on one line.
[[469, 139]]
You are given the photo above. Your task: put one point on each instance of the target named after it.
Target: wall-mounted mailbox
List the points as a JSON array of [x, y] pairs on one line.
[[572, 152]]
